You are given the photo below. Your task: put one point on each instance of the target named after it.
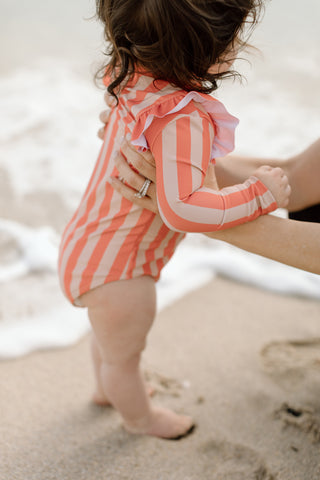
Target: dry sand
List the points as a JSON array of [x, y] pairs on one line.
[[244, 363]]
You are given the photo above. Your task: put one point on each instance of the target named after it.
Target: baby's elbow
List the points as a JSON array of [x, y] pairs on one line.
[[174, 222], [178, 220], [190, 226], [169, 213]]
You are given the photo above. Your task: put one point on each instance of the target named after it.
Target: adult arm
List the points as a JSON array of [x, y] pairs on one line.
[[287, 241], [303, 171]]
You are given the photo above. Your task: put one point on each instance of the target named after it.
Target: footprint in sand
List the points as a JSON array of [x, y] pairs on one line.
[[229, 461], [292, 361], [296, 365], [306, 420], [164, 385]]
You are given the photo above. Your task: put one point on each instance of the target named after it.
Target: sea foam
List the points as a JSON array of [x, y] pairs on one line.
[[48, 133]]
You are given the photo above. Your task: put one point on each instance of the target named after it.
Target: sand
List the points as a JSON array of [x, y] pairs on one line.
[[246, 365]]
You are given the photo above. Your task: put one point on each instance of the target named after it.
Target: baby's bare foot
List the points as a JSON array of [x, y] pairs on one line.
[[162, 423], [100, 399]]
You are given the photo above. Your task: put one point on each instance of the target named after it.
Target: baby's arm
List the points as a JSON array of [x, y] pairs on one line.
[[182, 153]]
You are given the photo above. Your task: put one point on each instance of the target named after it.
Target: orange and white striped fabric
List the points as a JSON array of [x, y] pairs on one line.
[[109, 238]]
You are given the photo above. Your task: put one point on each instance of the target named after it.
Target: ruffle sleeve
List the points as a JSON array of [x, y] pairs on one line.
[[224, 123]]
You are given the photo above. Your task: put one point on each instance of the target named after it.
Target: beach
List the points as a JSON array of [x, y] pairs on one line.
[[243, 362], [236, 341]]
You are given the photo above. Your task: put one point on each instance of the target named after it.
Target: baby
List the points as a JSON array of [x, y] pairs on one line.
[[165, 59]]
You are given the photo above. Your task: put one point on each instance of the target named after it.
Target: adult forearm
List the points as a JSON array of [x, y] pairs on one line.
[[234, 169], [304, 178], [303, 171], [287, 241]]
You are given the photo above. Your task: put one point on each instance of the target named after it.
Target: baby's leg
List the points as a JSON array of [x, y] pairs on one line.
[[99, 397], [121, 314]]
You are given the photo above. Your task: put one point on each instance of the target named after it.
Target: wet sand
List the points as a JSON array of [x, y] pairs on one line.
[[244, 363]]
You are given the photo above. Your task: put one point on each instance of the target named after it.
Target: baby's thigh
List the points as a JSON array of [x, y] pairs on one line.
[[121, 314]]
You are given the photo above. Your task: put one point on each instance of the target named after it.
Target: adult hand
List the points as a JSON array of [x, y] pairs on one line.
[[105, 115], [129, 182], [104, 118]]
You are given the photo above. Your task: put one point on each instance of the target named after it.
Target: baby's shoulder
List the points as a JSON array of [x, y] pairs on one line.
[[149, 100], [148, 94]]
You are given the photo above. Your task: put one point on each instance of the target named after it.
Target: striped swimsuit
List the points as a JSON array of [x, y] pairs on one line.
[[108, 237]]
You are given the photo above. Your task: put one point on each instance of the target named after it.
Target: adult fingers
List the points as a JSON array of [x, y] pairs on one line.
[[101, 132], [143, 162], [132, 178], [105, 115], [110, 100], [104, 118], [129, 194]]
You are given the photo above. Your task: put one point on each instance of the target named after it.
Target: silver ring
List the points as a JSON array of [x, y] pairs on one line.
[[144, 189]]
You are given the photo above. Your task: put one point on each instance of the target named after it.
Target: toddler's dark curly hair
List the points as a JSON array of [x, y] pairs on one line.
[[174, 40]]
